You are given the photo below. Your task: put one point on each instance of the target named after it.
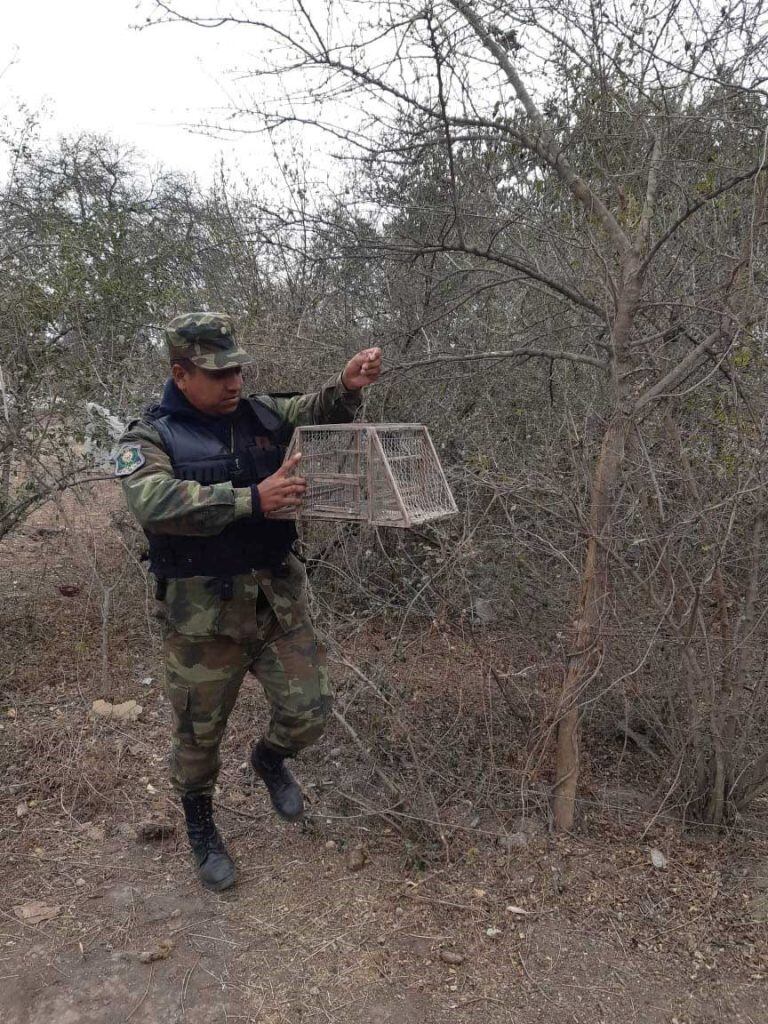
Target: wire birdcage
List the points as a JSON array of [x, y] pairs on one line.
[[385, 474]]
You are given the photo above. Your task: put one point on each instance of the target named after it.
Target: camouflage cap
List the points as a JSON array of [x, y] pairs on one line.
[[206, 339]]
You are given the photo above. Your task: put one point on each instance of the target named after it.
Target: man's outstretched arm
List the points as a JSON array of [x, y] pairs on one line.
[[338, 399]]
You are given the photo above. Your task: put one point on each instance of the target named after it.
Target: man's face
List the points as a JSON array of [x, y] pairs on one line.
[[214, 392]]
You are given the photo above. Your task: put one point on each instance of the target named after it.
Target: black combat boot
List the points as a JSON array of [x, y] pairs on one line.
[[215, 868], [283, 789]]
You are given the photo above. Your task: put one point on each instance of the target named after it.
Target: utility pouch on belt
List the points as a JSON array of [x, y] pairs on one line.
[[161, 588]]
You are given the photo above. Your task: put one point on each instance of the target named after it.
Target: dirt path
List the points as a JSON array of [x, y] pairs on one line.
[[604, 937], [486, 929]]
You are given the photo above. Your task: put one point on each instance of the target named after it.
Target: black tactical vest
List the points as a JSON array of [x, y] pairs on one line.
[[259, 440]]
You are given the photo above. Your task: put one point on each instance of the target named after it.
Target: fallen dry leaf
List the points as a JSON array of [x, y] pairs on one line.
[[448, 956], [161, 952], [658, 859], [153, 831], [357, 858], [35, 912]]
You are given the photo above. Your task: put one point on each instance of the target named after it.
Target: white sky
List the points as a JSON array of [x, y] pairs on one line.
[[92, 71]]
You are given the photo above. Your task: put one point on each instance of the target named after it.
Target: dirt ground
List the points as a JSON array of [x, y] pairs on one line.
[[346, 918]]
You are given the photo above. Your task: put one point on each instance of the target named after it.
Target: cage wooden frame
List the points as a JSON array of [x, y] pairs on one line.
[[384, 474]]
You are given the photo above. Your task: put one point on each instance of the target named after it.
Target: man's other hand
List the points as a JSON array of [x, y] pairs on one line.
[[281, 490], [362, 369]]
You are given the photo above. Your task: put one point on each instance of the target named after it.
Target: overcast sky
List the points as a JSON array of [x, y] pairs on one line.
[[92, 70]]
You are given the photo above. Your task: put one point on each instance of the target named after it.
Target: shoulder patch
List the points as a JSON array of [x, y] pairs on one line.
[[128, 460]]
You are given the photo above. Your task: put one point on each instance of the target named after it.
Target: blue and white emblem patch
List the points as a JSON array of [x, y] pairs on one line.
[[128, 460]]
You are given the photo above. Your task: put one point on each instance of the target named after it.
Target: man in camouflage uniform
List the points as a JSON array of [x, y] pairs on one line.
[[201, 472]]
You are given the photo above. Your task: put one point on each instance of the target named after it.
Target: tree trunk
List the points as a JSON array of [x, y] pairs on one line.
[[5, 480], [586, 657]]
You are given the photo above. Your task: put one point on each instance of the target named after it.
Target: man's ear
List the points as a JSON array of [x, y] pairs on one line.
[[179, 374]]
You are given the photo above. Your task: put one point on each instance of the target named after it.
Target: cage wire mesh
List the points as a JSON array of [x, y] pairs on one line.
[[386, 474]]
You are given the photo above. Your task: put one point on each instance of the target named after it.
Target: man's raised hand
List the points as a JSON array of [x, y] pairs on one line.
[[362, 369], [281, 490]]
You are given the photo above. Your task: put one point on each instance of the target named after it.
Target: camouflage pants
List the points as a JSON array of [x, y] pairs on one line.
[[265, 629]]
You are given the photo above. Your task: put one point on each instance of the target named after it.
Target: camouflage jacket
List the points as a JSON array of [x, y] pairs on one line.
[[164, 504]]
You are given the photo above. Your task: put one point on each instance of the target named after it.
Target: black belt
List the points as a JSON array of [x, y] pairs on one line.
[[223, 584]]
